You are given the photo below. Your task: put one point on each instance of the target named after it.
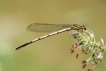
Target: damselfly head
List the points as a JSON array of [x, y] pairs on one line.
[[84, 27], [76, 26]]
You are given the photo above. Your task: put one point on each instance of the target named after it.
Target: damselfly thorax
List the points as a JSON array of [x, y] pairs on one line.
[[43, 27]]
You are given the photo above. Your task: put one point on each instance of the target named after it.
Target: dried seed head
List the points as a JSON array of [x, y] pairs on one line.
[[84, 61], [83, 66], [89, 69], [77, 55]]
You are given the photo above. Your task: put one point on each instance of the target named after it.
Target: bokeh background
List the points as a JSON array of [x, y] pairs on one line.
[[50, 54]]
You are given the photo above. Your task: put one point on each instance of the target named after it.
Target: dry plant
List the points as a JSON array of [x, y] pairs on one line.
[[85, 41]]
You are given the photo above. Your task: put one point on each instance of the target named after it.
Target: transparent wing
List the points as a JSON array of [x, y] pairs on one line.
[[44, 27]]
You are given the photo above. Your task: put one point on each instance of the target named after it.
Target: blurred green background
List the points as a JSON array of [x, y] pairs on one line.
[[50, 54]]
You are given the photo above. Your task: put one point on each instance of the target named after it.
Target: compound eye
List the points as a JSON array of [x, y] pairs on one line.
[[84, 28]]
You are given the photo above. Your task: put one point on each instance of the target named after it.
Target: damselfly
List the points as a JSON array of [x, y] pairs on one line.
[[43, 27]]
